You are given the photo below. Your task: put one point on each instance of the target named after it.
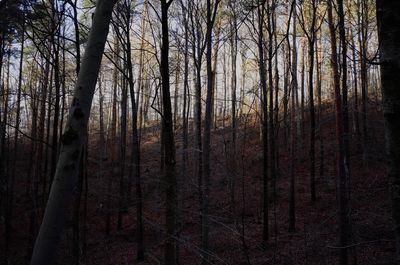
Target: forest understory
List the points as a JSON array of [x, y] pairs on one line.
[[183, 132], [235, 237]]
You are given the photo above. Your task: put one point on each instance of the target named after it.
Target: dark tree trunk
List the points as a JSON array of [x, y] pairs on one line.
[[57, 85], [341, 152], [271, 127], [363, 42], [293, 148], [136, 172], [389, 36], [263, 81], [234, 47], [122, 157], [169, 143], [211, 13]]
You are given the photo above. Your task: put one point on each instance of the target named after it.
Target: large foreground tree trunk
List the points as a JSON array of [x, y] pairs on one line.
[[389, 38], [72, 140]]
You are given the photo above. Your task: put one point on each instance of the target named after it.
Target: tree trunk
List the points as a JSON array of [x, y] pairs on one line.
[[5, 149], [135, 145], [197, 54], [169, 143], [263, 81], [389, 34], [234, 47], [207, 134], [318, 58], [271, 132], [362, 40], [344, 181], [141, 104], [176, 91], [341, 155], [311, 35], [122, 157], [57, 85], [356, 115], [293, 149], [185, 94], [72, 140]]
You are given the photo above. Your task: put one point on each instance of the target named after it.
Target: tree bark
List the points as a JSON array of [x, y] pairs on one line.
[[263, 82], [363, 42], [136, 172], [341, 152], [170, 184], [72, 140], [293, 149], [389, 36]]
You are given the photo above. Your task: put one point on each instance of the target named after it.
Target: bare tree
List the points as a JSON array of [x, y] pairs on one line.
[[211, 14], [72, 140], [343, 213], [170, 184]]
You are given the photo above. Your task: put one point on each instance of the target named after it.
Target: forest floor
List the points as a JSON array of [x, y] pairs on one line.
[[236, 238]]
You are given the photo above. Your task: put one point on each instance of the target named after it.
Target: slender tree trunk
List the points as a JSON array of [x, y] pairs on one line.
[[346, 131], [263, 81], [286, 86], [342, 194], [225, 71], [48, 128], [122, 157], [197, 54], [272, 162], [169, 143], [135, 146], [36, 165], [293, 155], [141, 89], [234, 47], [38, 157], [5, 174], [214, 111], [292, 194], [113, 140], [102, 135], [344, 182], [211, 13], [362, 39], [356, 115], [185, 93], [176, 91], [2, 139], [276, 88], [57, 85], [293, 145], [301, 106], [318, 54], [311, 35]]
